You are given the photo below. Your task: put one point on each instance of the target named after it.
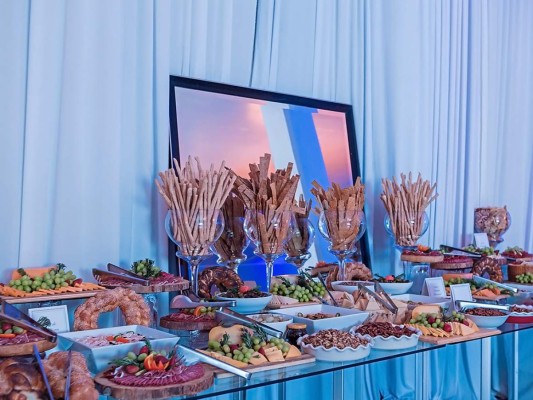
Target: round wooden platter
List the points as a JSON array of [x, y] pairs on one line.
[[109, 388], [24, 349], [187, 325], [140, 289], [421, 258]]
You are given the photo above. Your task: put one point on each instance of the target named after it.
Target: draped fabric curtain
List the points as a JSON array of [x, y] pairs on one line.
[[440, 87]]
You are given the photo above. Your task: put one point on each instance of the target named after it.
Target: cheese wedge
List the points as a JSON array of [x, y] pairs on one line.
[[293, 352], [274, 354], [257, 359], [426, 309], [231, 361]]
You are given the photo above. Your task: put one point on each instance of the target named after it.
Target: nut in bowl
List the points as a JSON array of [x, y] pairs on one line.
[[388, 336], [336, 345], [248, 300], [486, 317], [320, 316]]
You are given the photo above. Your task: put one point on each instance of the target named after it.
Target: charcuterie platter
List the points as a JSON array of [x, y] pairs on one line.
[[143, 278]]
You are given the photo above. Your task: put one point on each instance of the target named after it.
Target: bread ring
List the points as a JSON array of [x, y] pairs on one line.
[[132, 306], [221, 277], [354, 272], [489, 265]]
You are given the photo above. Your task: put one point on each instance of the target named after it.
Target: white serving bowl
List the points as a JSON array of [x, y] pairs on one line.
[[338, 285], [393, 342], [347, 319], [488, 322], [280, 326], [99, 357], [396, 288], [247, 305], [334, 354]]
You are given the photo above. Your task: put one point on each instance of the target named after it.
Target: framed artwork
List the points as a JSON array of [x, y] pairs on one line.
[[54, 318], [238, 125]]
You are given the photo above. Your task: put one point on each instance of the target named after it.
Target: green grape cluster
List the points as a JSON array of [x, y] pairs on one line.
[[525, 278], [54, 279], [303, 290], [457, 281], [428, 320], [146, 268]]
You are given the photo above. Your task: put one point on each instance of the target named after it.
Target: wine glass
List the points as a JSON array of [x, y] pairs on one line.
[[231, 244], [407, 231], [269, 231], [194, 237], [343, 229], [297, 247]]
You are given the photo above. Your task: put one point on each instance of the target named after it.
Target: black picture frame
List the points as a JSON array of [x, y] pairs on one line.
[[221, 88]]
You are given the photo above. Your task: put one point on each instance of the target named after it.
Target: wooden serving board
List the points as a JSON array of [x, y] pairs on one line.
[[110, 388], [458, 338], [141, 289], [281, 306], [303, 359], [188, 325], [50, 297], [25, 349]]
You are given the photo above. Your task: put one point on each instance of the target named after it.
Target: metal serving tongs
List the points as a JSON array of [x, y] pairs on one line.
[[465, 305], [226, 315], [182, 301], [17, 317], [472, 253], [213, 361], [323, 282], [498, 284], [100, 275], [378, 291]]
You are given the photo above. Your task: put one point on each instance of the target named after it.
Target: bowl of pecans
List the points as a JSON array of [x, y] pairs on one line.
[[336, 345], [388, 336], [487, 317]]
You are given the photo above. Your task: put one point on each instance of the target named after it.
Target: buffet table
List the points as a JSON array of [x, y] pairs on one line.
[[477, 369]]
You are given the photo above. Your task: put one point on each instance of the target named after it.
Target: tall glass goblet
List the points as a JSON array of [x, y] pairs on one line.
[[194, 237], [343, 229], [269, 231], [406, 231], [297, 247], [231, 244]]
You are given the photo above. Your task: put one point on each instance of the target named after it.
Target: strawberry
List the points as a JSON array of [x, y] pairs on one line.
[[431, 319], [6, 326], [244, 289], [144, 350], [78, 281], [447, 328], [262, 351], [160, 359], [233, 347], [389, 278]]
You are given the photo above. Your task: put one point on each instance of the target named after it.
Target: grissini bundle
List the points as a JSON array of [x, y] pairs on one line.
[[405, 203], [193, 193]]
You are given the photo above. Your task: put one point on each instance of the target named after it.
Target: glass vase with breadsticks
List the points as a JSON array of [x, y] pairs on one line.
[[269, 201], [406, 220], [233, 241], [342, 221], [194, 197], [302, 238]]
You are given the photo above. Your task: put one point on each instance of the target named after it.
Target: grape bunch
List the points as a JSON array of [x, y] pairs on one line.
[[303, 290], [456, 317], [54, 279], [429, 321], [525, 278], [245, 351], [146, 268], [457, 281]]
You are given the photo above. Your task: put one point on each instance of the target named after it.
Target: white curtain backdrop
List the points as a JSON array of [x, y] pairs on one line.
[[440, 87]]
